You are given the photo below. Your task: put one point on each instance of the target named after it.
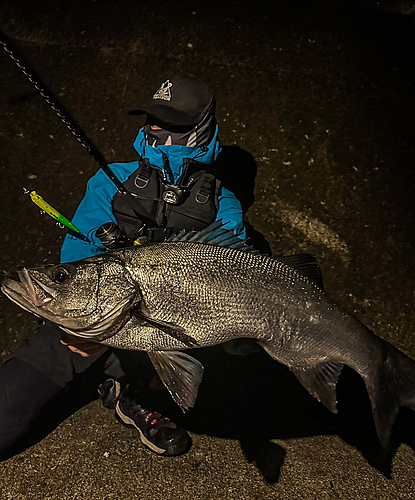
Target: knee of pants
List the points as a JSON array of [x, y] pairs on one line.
[[23, 391]]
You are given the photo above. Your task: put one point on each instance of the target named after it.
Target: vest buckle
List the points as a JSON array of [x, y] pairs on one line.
[[141, 182], [202, 197]]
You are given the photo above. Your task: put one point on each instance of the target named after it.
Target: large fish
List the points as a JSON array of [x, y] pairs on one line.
[[207, 288]]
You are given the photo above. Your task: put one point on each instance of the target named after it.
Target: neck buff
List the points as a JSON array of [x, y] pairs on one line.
[[176, 154], [199, 136]]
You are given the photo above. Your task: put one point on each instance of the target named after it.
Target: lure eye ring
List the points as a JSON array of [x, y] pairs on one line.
[[60, 275]]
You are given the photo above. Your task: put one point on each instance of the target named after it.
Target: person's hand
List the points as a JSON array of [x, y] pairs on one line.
[[83, 347]]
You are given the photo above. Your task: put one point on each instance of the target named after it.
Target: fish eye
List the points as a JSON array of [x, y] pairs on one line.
[[60, 275]]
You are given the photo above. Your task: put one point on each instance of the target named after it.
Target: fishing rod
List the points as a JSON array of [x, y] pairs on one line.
[[63, 114]]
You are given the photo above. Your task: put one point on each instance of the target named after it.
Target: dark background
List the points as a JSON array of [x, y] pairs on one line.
[[319, 98]]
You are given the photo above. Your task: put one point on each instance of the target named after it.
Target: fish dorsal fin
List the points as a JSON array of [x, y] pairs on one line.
[[306, 264], [180, 373], [320, 381], [215, 234]]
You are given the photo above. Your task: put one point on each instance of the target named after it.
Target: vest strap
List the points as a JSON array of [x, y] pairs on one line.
[[203, 194], [143, 176]]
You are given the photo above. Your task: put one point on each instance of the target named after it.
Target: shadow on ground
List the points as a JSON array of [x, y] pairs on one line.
[[252, 399]]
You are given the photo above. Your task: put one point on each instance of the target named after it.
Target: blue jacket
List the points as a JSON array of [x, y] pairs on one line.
[[95, 208]]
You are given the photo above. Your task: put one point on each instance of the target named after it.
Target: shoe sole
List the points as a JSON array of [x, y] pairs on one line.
[[130, 422]]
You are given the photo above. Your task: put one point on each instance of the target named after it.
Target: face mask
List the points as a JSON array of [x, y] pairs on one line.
[[201, 135]]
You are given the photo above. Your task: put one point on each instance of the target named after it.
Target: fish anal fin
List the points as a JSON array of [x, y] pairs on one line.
[[180, 373], [320, 381]]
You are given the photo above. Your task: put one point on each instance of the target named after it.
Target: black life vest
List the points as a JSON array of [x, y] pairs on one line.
[[155, 208]]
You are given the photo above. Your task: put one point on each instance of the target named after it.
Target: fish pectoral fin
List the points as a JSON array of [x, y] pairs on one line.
[[180, 373], [171, 329], [321, 381]]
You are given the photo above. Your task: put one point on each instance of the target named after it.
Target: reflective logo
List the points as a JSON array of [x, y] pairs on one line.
[[170, 197], [164, 91]]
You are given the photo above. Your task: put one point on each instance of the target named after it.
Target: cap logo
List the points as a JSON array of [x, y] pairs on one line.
[[164, 91]]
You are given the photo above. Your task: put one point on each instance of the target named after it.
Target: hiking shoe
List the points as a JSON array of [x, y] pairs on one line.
[[110, 392], [158, 433]]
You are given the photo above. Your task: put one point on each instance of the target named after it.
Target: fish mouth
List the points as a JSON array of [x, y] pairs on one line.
[[29, 293], [34, 296]]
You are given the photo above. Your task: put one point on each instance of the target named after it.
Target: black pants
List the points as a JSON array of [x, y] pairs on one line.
[[45, 382]]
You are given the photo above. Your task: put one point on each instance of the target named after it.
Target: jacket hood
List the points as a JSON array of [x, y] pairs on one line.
[[177, 155]]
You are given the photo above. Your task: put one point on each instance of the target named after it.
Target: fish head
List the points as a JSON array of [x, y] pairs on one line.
[[90, 298]]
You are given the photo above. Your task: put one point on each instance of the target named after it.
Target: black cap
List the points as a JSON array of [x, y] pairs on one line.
[[180, 101]]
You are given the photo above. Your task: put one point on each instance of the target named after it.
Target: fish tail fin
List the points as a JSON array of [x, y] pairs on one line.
[[393, 387]]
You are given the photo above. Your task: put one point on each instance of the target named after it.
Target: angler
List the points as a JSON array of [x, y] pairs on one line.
[[170, 186]]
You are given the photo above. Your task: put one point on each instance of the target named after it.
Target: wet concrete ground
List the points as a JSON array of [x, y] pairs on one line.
[[320, 98]]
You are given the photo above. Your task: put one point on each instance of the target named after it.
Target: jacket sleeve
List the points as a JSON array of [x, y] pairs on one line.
[[93, 211], [230, 212]]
